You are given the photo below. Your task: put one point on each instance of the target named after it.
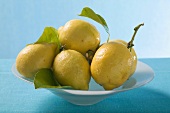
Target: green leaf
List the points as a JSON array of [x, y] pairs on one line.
[[44, 79], [50, 35], [87, 12], [103, 23]]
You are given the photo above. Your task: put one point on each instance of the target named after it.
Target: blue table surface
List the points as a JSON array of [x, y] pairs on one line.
[[19, 96]]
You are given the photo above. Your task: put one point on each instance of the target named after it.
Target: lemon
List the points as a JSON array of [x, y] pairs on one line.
[[72, 69], [111, 65], [34, 57], [133, 55], [79, 35]]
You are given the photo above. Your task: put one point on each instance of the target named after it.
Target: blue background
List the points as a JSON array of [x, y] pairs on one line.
[[23, 21]]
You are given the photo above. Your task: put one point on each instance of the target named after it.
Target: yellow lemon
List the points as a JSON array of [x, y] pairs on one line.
[[79, 35], [34, 57], [111, 65], [72, 69], [133, 55]]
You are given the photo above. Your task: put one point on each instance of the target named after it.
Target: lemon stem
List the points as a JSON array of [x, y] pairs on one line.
[[108, 37], [130, 44], [89, 55]]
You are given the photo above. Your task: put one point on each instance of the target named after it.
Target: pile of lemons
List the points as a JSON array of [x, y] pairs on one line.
[[81, 58]]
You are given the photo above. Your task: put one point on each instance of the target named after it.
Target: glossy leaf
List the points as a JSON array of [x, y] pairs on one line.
[[49, 35], [87, 12], [44, 79]]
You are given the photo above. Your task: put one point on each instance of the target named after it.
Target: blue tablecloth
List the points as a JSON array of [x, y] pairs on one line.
[[19, 96]]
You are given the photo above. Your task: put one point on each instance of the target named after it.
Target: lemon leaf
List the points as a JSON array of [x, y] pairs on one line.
[[89, 13], [44, 79], [49, 35]]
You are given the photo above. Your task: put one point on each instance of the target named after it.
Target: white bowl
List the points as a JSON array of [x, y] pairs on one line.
[[143, 75]]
